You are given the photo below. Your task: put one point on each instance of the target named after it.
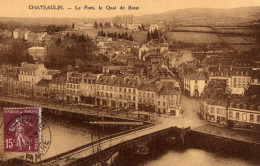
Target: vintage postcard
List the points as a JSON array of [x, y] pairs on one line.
[[129, 82]]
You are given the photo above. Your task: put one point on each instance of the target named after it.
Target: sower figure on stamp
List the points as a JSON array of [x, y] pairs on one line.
[[21, 140]]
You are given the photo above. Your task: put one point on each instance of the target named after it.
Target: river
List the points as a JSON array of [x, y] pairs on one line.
[[68, 135]]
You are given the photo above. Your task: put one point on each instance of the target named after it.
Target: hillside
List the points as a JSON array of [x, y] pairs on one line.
[[205, 16]]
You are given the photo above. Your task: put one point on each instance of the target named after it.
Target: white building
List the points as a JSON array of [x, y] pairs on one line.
[[195, 82], [31, 74], [18, 34], [134, 27], [153, 27]]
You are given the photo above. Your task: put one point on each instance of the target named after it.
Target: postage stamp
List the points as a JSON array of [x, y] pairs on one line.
[[22, 129]]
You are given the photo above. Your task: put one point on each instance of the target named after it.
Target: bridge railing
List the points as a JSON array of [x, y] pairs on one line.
[[107, 138]]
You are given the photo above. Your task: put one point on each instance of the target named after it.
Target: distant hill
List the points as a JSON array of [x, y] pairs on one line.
[[192, 16], [205, 16]]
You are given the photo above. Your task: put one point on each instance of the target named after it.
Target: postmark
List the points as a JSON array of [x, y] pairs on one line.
[[25, 131]]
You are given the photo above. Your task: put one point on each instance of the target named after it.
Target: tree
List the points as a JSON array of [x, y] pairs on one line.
[[99, 34], [58, 41], [126, 36], [155, 34], [130, 38], [115, 35], [73, 25], [142, 27], [100, 25], [95, 24], [148, 37]]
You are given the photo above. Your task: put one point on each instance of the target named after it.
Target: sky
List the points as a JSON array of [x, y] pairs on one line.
[[20, 8]]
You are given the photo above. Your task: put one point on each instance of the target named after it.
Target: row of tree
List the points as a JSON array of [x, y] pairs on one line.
[[51, 29], [116, 35], [16, 54], [106, 24], [75, 50], [152, 35]]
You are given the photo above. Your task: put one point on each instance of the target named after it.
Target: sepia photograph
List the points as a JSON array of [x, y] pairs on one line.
[[129, 83]]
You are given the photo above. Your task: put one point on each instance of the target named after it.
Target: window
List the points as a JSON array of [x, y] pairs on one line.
[[163, 103], [251, 118], [196, 81], [218, 110], [258, 118], [152, 95], [212, 110], [148, 94], [159, 103], [230, 115], [237, 115], [206, 81]]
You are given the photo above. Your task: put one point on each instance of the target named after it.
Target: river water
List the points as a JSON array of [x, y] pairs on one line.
[[68, 135]]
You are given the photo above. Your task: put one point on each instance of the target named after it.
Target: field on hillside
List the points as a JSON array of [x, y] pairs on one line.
[[194, 37], [245, 47], [140, 36], [239, 40], [193, 29], [234, 30]]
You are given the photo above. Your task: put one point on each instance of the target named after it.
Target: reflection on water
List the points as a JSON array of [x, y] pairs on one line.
[[195, 157], [188, 157]]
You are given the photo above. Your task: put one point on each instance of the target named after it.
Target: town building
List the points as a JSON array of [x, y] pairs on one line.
[[18, 34], [220, 107], [153, 27], [117, 92], [134, 27], [26, 34], [88, 88], [72, 86], [194, 83], [29, 76], [42, 89], [57, 86], [168, 98]]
